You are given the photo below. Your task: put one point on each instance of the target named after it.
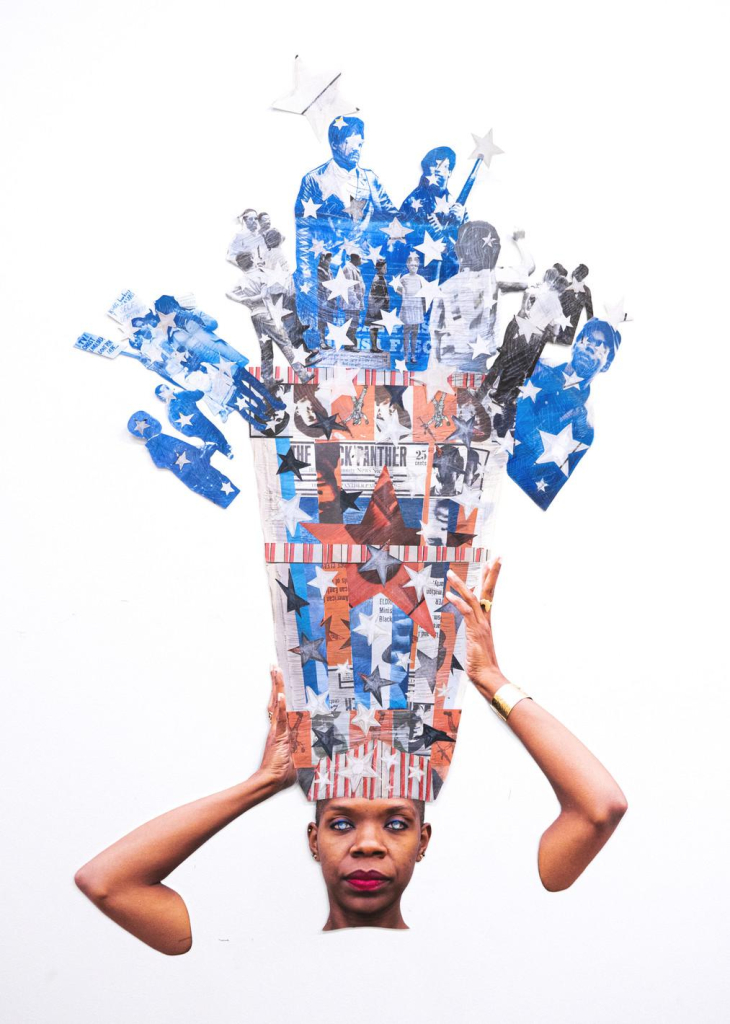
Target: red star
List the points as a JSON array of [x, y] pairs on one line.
[[381, 525]]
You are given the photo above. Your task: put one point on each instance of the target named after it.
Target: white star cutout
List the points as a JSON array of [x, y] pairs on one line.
[[396, 231], [442, 205], [337, 333], [317, 703], [340, 384], [480, 347], [339, 286], [310, 208], [374, 254], [365, 719], [290, 513], [557, 448], [369, 626], [389, 319], [571, 380], [323, 580], [429, 291], [485, 148], [527, 327], [419, 580], [390, 760], [431, 248], [392, 432], [436, 379], [529, 390]]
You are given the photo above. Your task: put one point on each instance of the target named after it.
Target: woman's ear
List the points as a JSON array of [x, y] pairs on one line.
[[312, 839], [425, 840]]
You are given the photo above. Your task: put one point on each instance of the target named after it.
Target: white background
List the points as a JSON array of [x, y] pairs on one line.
[[136, 625]]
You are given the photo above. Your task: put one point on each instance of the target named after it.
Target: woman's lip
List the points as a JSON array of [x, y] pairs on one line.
[[366, 884]]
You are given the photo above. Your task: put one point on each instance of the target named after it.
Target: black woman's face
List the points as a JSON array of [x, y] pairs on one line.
[[368, 850]]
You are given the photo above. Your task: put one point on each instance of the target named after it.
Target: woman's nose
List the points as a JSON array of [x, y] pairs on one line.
[[367, 843]]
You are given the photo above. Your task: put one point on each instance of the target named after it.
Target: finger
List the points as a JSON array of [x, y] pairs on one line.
[[490, 582], [280, 718], [464, 592], [272, 691], [459, 604]]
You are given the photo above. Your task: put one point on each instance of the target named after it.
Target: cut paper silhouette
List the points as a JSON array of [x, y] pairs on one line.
[[339, 209], [430, 207], [184, 415], [316, 96], [253, 290], [180, 345], [553, 427], [464, 312], [575, 298], [191, 465]]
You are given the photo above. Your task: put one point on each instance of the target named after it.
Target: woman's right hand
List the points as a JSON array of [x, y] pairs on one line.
[[481, 658], [277, 764]]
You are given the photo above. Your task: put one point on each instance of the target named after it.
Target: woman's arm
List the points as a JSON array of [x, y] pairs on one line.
[[591, 802], [125, 881]]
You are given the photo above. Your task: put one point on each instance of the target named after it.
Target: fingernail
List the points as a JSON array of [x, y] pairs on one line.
[[452, 574]]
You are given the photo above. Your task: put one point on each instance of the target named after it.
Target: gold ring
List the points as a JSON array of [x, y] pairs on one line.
[[486, 605]]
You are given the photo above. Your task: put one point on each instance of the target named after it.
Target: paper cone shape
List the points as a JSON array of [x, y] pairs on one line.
[[370, 491]]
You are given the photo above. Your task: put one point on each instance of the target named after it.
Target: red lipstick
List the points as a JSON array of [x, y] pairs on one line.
[[366, 881]]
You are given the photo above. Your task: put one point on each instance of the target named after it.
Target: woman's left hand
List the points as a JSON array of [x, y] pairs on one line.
[[277, 763], [481, 658]]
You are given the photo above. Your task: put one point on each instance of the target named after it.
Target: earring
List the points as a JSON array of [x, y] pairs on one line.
[[314, 855]]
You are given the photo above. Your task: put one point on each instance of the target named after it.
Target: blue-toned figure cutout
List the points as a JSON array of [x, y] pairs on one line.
[[341, 209], [188, 463], [553, 427], [184, 415], [433, 216], [180, 345]]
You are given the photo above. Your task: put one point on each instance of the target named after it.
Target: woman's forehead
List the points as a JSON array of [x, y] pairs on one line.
[[360, 807]]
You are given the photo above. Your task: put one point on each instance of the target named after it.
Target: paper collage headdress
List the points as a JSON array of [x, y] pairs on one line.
[[374, 478]]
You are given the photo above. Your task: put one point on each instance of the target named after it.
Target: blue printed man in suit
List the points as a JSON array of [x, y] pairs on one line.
[[339, 209]]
